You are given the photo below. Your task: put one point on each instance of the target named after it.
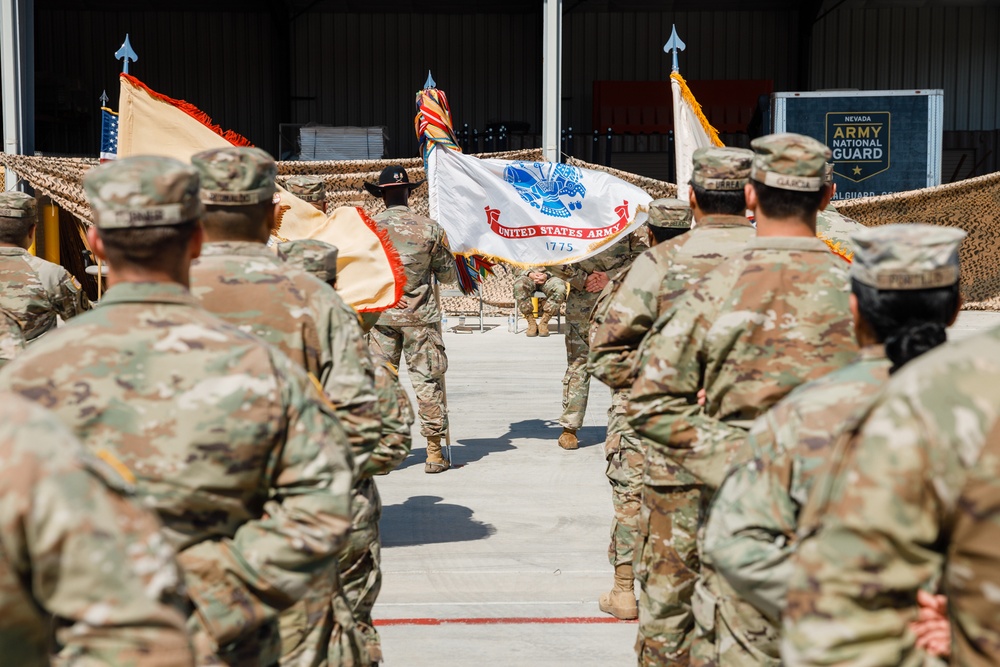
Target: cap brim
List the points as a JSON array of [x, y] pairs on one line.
[[373, 190]]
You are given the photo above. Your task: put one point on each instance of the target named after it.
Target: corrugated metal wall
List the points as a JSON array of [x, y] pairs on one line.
[[954, 48], [364, 68], [629, 46], [223, 62]]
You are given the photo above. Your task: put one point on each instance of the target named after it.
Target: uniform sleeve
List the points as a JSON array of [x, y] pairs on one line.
[[69, 300], [349, 378], [241, 583], [867, 548], [99, 566], [574, 274], [442, 261], [397, 419], [629, 317], [749, 534]]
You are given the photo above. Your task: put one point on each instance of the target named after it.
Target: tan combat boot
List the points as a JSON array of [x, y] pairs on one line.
[[568, 439], [435, 462], [620, 601], [543, 324], [532, 326]]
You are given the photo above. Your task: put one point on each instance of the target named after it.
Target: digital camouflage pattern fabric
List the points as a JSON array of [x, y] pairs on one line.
[[36, 292], [750, 535], [11, 339], [623, 450], [755, 327], [524, 288], [790, 161], [78, 556], [666, 573], [412, 329], [912, 499], [579, 305], [360, 561], [315, 257], [245, 284], [717, 168], [423, 247], [752, 330], [143, 191], [230, 442]]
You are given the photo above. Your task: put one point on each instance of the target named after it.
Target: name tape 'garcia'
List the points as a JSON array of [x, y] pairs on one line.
[[786, 182]]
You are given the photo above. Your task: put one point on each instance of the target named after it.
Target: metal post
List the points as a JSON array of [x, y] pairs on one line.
[[17, 75], [552, 80]]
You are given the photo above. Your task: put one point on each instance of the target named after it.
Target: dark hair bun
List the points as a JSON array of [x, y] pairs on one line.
[[912, 341]]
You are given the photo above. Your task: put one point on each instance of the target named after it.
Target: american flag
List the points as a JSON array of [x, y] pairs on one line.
[[109, 134]]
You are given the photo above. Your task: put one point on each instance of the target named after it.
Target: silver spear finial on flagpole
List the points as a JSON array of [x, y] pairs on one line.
[[674, 44], [125, 53], [429, 83]]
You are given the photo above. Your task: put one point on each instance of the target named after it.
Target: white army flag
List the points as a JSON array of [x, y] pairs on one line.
[[530, 213], [691, 131]]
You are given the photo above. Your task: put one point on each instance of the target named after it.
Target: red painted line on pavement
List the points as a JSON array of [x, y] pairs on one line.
[[512, 620]]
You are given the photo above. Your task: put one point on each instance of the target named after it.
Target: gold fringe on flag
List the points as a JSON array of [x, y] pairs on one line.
[[688, 96]]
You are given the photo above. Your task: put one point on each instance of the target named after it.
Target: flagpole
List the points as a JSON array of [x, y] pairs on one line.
[[673, 46]]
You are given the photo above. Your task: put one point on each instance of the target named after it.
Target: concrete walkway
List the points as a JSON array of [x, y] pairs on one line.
[[501, 560]]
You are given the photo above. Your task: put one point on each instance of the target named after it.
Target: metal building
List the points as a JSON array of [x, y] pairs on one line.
[[255, 65]]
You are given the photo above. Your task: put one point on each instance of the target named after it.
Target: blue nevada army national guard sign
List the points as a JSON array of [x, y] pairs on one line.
[[553, 188], [860, 142]]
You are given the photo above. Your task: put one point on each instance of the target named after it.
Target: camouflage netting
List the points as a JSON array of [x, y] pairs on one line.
[[973, 205]]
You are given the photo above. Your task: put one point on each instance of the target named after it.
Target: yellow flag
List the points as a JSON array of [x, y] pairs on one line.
[[369, 273]]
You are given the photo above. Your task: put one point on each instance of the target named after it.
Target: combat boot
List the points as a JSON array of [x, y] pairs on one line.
[[568, 439], [620, 601], [532, 326], [543, 324], [435, 462]]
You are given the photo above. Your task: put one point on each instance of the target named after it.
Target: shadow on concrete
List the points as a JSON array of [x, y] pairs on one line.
[[428, 520], [471, 450]]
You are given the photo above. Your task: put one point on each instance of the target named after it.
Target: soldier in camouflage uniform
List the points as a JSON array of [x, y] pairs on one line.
[[315, 257], [230, 442], [308, 188], [750, 534], [360, 561], [909, 502], [538, 279], [241, 281], [671, 497], [413, 328], [754, 328], [623, 449], [31, 289], [587, 279], [79, 558], [11, 338]]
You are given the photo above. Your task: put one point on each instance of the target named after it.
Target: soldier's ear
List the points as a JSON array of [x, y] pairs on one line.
[[750, 193], [828, 191], [96, 244]]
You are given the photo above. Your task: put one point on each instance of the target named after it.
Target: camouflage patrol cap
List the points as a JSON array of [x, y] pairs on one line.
[[906, 256], [142, 191], [717, 168], [236, 176], [313, 256], [669, 214], [307, 188], [15, 204], [790, 161]]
